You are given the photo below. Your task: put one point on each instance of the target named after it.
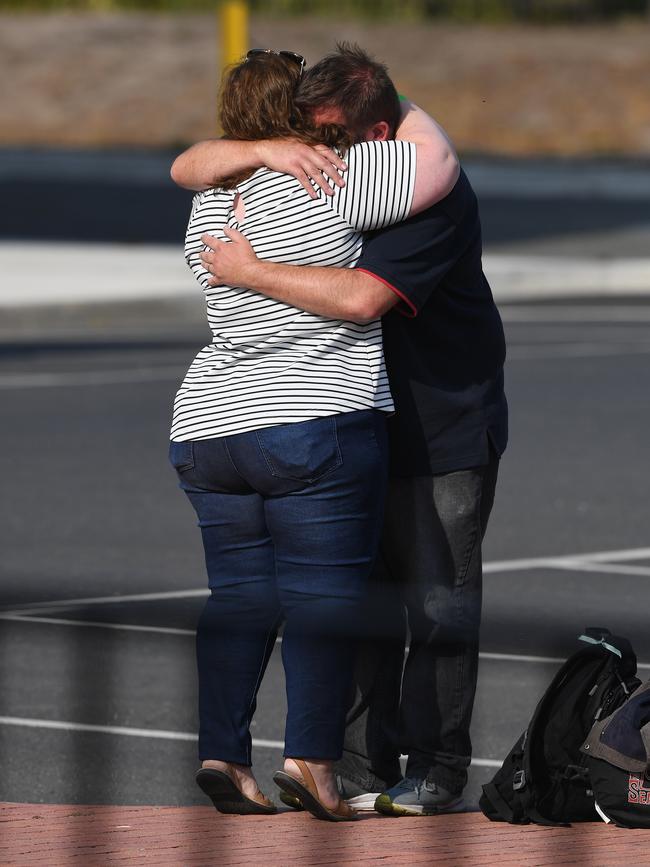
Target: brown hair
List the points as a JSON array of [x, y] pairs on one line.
[[350, 81], [257, 102]]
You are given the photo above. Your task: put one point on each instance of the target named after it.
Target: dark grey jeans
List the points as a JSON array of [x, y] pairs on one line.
[[429, 578]]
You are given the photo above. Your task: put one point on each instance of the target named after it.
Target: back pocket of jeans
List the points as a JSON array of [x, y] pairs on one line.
[[304, 452], [181, 455]]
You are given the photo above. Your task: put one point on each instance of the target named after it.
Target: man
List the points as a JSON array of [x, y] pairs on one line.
[[445, 350]]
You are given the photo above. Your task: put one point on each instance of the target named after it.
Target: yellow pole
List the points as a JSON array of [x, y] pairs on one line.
[[233, 30]]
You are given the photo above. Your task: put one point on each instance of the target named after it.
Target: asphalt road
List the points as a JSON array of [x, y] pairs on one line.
[[91, 510], [558, 207]]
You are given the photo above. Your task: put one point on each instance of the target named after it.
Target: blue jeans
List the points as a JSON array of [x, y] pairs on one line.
[[290, 518]]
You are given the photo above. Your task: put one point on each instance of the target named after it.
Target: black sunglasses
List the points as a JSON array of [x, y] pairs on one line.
[[290, 55]]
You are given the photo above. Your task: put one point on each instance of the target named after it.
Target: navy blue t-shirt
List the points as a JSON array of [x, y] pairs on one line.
[[443, 341]]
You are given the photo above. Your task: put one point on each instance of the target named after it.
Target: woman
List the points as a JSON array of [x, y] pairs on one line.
[[278, 439]]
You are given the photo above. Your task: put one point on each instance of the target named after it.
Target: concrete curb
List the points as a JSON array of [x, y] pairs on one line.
[[520, 278], [37, 274]]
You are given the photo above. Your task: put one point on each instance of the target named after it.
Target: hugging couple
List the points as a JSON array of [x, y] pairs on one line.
[[339, 438]]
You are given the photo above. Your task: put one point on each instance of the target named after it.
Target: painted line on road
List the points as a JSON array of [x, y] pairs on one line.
[[523, 352], [108, 600], [159, 734], [90, 377], [520, 657], [571, 314], [98, 624], [191, 633], [540, 352], [615, 556], [608, 568], [544, 660], [568, 562]]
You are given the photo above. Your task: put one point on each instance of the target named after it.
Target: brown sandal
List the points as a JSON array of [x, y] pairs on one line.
[[306, 791], [222, 789]]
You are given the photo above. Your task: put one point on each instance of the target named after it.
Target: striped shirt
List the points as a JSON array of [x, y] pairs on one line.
[[270, 363]]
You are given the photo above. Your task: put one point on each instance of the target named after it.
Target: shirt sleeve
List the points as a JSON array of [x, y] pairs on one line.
[[379, 184], [412, 258], [193, 244]]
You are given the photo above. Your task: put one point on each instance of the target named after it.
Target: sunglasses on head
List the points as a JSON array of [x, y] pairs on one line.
[[290, 55]]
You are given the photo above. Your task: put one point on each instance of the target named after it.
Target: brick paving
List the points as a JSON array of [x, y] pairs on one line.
[[54, 834]]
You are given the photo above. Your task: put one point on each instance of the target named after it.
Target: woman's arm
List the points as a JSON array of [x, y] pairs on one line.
[[204, 164]]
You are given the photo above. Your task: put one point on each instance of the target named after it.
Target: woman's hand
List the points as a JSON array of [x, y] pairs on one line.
[[304, 162], [230, 263]]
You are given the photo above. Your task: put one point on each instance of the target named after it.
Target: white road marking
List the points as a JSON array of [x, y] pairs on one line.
[[60, 725], [526, 564], [616, 556], [563, 334], [108, 600], [160, 734], [558, 313], [167, 373], [543, 660], [168, 630], [90, 377], [608, 568], [566, 561], [98, 624], [517, 657], [538, 352], [551, 351], [571, 561]]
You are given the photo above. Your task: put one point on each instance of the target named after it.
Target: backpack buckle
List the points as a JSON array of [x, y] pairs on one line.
[[519, 780]]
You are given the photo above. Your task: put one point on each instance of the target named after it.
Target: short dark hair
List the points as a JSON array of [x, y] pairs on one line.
[[350, 80]]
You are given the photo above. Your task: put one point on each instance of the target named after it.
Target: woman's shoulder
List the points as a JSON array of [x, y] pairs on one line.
[[214, 196], [268, 188], [367, 150], [264, 177]]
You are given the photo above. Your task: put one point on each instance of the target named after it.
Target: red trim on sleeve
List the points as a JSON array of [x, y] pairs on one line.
[[412, 311]]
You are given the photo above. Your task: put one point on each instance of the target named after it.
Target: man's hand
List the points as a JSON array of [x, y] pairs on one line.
[[229, 264], [304, 162]]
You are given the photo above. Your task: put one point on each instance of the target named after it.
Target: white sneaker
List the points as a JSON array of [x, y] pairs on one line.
[[364, 803]]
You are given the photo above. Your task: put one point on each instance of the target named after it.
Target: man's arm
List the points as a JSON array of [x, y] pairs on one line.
[[339, 293], [201, 166], [437, 167]]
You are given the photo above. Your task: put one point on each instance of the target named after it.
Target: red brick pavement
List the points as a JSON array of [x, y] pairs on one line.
[[53, 835]]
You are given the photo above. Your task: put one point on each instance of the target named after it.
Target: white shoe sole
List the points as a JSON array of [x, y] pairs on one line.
[[363, 803], [392, 808]]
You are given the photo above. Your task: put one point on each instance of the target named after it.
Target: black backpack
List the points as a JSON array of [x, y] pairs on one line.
[[618, 758], [544, 779]]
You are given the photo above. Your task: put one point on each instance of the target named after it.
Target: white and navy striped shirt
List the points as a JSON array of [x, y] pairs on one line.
[[270, 363]]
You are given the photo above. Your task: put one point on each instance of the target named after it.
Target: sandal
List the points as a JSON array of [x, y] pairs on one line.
[[291, 801], [222, 789], [306, 791]]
